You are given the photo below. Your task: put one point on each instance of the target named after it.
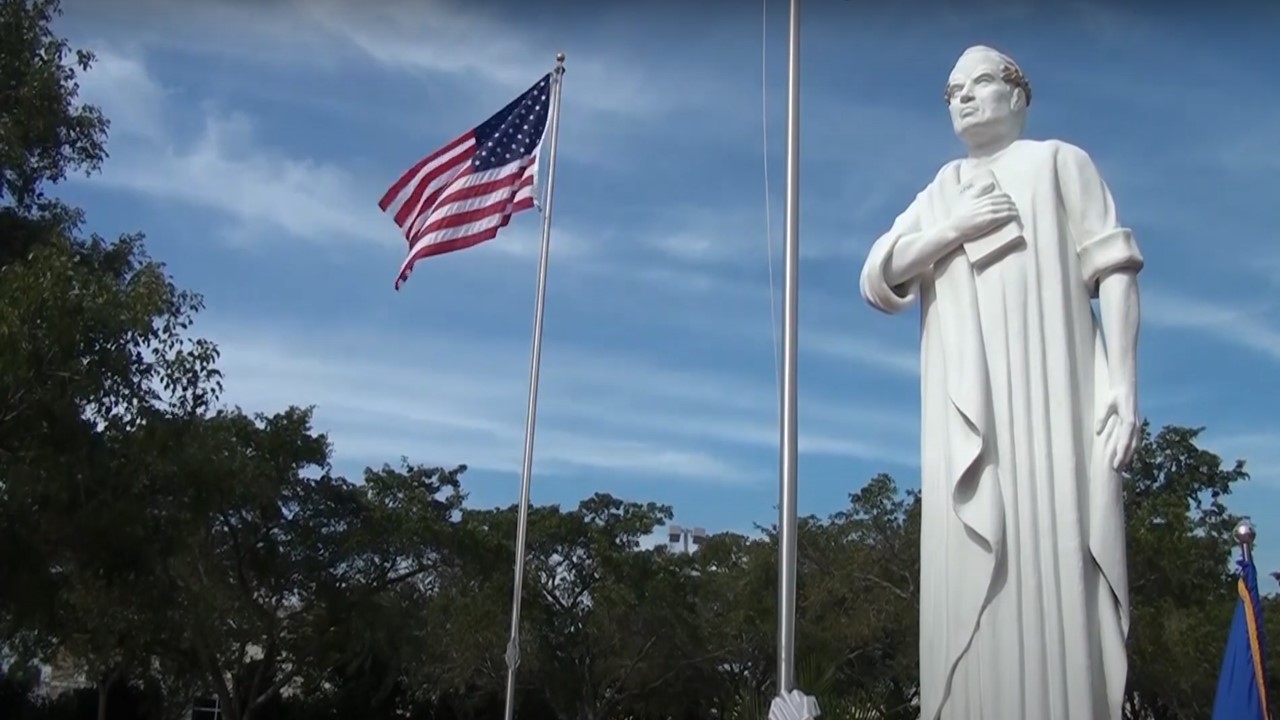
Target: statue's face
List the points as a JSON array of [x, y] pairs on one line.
[[981, 102]]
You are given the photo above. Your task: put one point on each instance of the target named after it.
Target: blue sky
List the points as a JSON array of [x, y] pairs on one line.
[[251, 142]]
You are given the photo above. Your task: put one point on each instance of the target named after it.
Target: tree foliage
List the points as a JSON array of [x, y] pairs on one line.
[[165, 548], [45, 132]]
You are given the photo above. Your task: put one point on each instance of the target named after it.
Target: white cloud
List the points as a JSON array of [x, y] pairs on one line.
[[870, 353], [461, 400], [122, 87], [228, 166], [445, 38], [269, 195], [435, 38], [227, 169], [636, 414], [1244, 327], [1239, 150], [266, 32], [223, 168], [1260, 449], [723, 234], [738, 313], [1269, 267]]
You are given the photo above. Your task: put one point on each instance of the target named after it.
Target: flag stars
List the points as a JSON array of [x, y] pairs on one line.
[[506, 143], [515, 131]]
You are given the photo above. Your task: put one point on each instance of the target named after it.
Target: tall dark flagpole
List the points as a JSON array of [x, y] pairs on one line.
[[790, 704], [531, 417]]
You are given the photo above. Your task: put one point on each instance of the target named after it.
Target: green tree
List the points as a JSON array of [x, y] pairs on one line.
[[858, 598], [382, 655], [287, 574], [858, 601], [45, 132], [92, 343], [1181, 578], [605, 622], [736, 611], [468, 617], [92, 347], [874, 597]]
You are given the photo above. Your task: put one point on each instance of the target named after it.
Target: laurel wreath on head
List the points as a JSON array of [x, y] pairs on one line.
[[1012, 76]]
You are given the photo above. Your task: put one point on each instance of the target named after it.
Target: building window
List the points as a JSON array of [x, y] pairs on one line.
[[206, 708]]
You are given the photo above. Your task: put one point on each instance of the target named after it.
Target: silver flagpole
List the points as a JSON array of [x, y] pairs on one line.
[[790, 704], [531, 417], [787, 510]]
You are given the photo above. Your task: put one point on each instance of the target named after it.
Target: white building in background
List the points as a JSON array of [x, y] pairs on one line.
[[55, 678], [61, 676]]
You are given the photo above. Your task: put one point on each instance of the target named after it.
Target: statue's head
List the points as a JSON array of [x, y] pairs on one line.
[[988, 97]]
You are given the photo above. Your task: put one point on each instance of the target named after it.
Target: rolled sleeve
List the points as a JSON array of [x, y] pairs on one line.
[[1102, 245], [1107, 253], [875, 288]]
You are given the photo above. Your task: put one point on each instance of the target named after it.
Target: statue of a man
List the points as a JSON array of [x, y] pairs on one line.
[[1028, 418]]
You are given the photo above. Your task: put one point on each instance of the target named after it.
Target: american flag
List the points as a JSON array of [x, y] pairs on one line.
[[463, 193]]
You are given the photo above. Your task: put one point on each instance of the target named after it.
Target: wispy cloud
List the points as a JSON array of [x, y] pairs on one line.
[[282, 121], [263, 31], [1260, 449], [228, 163], [462, 400], [1239, 150], [225, 167], [126, 92], [1244, 326], [478, 47], [869, 353], [442, 409], [439, 37], [266, 194]]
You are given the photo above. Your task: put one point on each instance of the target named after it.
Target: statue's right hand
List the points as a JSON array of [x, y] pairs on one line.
[[976, 217]]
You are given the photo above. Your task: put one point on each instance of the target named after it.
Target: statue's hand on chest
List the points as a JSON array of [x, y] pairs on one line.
[[985, 219]]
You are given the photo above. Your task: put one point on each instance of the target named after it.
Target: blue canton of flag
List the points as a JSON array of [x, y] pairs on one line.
[[514, 131], [1242, 683]]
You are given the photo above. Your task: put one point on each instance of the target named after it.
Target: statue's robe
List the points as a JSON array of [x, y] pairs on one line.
[[1024, 599]]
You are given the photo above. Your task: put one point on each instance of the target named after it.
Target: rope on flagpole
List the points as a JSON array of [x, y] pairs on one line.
[[768, 201]]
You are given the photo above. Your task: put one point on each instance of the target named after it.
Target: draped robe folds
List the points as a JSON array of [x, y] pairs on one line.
[[1024, 600]]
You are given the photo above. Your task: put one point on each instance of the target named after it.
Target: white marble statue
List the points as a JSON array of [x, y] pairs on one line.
[[1027, 416]]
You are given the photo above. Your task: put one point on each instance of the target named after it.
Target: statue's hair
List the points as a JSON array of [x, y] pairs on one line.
[[1009, 72]]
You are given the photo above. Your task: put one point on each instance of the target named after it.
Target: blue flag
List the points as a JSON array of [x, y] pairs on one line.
[[1242, 686]]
